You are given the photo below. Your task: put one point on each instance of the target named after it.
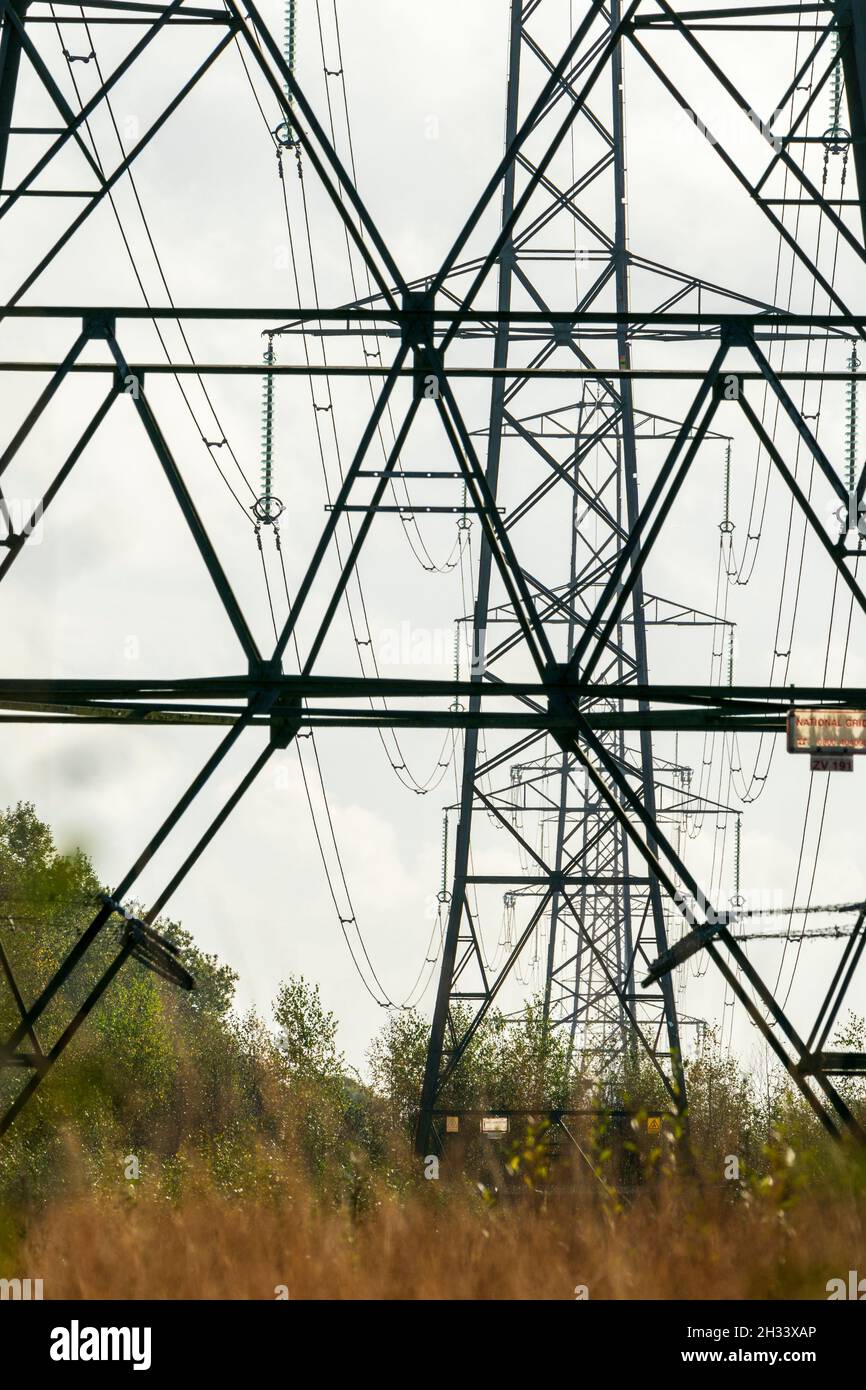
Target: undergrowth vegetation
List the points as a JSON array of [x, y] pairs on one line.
[[181, 1149]]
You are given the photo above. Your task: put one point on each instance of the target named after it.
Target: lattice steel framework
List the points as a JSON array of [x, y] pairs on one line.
[[591, 692], [604, 920]]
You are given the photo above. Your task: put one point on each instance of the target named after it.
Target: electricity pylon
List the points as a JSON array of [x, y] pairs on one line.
[[603, 915], [575, 667], [598, 913]]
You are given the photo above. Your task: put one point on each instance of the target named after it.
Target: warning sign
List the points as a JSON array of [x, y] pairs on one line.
[[827, 731]]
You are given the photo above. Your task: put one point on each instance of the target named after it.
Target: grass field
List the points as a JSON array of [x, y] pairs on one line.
[[672, 1238]]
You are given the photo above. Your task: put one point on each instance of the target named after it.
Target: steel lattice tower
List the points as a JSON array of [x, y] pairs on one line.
[[569, 609], [604, 916]]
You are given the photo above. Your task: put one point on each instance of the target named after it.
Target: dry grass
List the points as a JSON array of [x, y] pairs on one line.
[[670, 1242]]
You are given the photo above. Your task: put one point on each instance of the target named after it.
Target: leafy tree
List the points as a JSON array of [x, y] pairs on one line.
[[510, 1063], [308, 1031], [396, 1060]]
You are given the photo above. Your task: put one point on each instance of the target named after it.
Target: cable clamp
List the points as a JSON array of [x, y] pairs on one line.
[[267, 509], [285, 139]]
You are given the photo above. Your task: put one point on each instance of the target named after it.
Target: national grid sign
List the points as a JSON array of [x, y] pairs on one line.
[[830, 736]]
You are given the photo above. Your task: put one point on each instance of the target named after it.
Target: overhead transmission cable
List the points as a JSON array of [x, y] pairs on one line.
[[267, 498], [407, 517], [223, 440], [834, 146], [268, 512], [397, 760]]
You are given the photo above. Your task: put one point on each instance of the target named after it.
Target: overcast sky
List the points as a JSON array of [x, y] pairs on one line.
[[115, 586]]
